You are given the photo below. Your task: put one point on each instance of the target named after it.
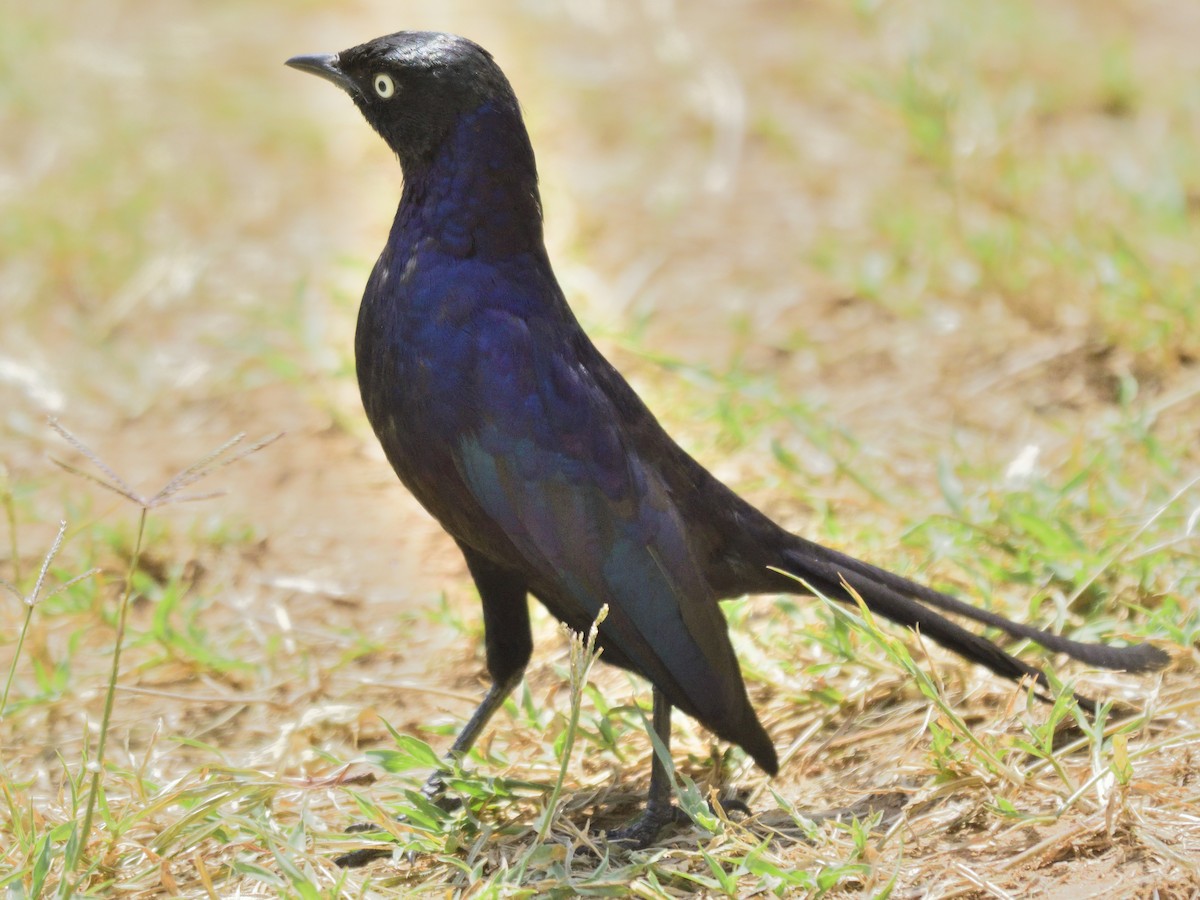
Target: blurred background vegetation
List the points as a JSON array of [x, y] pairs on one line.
[[919, 278]]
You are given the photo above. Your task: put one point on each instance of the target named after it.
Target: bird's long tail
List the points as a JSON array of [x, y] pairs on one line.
[[907, 603]]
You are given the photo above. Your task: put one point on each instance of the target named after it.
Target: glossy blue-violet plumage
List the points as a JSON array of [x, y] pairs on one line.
[[553, 477]]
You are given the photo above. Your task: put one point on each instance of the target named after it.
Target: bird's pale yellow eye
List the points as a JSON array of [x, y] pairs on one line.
[[384, 86]]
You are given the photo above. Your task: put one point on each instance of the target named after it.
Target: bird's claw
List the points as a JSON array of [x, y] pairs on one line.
[[733, 804], [356, 859], [644, 830], [434, 791]]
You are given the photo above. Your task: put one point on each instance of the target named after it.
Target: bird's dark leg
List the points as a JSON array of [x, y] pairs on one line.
[[509, 642], [435, 786], [660, 811]]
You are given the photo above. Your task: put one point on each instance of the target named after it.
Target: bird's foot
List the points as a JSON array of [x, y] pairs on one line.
[[356, 859], [434, 791], [732, 805], [645, 829]]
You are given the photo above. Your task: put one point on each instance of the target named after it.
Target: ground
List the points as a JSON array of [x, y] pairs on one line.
[[919, 279]]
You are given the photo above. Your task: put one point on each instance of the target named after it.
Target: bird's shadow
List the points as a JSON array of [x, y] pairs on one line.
[[883, 809]]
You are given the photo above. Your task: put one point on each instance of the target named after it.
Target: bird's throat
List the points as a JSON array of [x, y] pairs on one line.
[[477, 195]]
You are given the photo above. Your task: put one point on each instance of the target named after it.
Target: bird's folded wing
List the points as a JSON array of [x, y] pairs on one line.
[[548, 463]]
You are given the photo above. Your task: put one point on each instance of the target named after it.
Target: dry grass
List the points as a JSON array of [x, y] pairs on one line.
[[919, 278]]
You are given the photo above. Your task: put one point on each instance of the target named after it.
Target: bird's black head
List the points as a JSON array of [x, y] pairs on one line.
[[413, 86]]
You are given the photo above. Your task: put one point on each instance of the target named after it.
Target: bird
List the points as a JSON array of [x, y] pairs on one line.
[[557, 482]]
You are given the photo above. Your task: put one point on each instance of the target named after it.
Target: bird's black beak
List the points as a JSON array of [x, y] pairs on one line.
[[326, 66]]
